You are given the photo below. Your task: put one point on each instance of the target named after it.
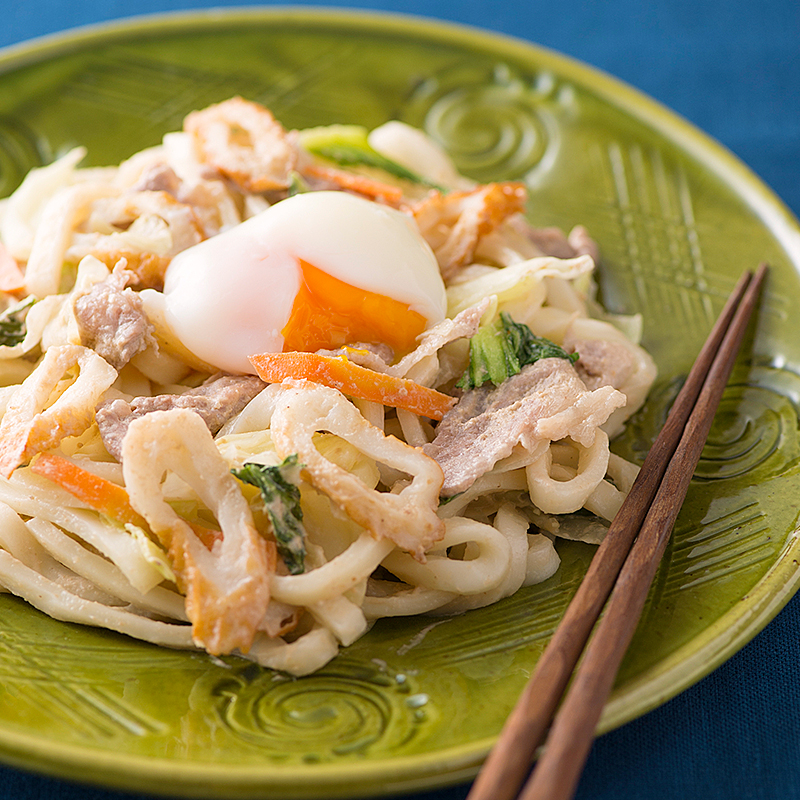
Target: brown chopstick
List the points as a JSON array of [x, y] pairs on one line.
[[682, 436]]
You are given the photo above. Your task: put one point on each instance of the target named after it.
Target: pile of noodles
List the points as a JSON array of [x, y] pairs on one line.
[[377, 536]]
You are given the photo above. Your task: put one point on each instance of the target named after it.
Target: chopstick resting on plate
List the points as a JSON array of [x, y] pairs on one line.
[[623, 569]]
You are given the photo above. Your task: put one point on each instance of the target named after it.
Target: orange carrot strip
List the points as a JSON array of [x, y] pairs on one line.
[[352, 181], [12, 279], [354, 381], [102, 495]]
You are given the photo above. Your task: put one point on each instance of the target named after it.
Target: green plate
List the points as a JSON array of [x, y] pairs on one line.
[[418, 703]]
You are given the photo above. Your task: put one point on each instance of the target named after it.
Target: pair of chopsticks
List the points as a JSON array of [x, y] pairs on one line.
[[622, 569]]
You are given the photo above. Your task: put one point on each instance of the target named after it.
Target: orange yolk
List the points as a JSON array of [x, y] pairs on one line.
[[328, 313]]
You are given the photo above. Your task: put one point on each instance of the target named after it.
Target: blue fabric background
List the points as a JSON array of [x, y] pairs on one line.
[[732, 67]]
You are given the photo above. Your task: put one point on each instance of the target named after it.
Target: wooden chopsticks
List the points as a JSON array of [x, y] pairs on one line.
[[626, 563]]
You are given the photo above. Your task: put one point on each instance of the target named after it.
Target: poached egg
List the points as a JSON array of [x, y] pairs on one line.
[[315, 271]]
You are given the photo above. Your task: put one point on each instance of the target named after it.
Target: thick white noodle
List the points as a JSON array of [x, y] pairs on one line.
[[555, 496], [415, 431], [304, 655], [334, 578], [542, 561], [440, 572], [374, 413], [55, 601], [507, 475], [513, 526], [606, 499], [104, 574], [36, 497], [402, 600], [17, 539], [342, 617]]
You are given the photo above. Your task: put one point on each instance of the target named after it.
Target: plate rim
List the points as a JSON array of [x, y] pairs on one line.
[[396, 774]]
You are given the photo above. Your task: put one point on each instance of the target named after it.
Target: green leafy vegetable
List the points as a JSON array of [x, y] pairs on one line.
[[348, 146], [281, 498], [502, 348], [531, 348], [491, 357], [12, 322]]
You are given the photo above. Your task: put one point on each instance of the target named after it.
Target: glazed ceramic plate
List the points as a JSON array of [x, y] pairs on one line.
[[418, 703]]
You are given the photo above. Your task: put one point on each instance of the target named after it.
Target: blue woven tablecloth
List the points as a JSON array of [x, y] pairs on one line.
[[732, 67]]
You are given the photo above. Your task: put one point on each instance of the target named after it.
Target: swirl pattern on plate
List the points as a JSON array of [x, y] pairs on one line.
[[321, 717], [755, 430], [502, 124]]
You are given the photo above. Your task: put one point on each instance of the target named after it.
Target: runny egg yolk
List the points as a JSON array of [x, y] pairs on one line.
[[328, 313], [314, 271]]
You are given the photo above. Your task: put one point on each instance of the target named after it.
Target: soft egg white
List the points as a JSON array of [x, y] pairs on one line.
[[230, 296]]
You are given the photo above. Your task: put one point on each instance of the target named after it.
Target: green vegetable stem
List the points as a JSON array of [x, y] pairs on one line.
[[502, 348]]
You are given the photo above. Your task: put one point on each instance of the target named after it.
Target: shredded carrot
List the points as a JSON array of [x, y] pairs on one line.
[[12, 278], [104, 496], [109, 498], [361, 184], [353, 380]]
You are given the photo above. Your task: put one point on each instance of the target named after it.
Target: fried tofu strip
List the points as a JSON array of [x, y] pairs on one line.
[[407, 517], [32, 423], [245, 143], [453, 224], [226, 587]]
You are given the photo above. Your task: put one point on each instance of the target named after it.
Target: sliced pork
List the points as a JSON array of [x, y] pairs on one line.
[[111, 320], [546, 401], [603, 362], [216, 401]]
